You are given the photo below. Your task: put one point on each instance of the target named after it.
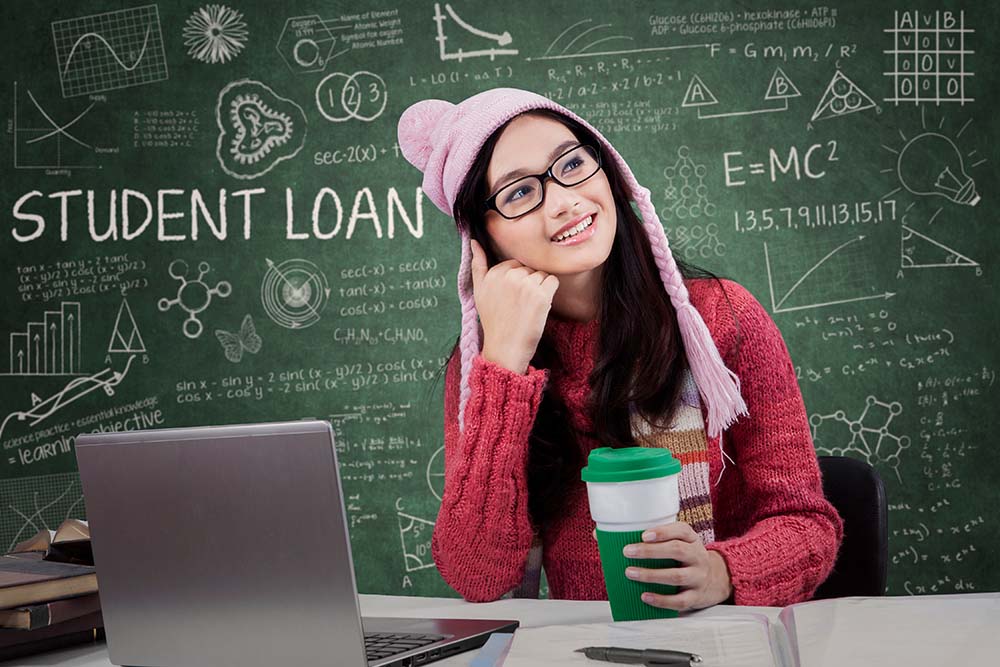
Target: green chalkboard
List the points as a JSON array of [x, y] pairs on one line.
[[207, 220]]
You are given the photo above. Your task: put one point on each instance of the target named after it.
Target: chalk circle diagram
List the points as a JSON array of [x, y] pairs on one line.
[[435, 473], [193, 296], [870, 436], [109, 51], [294, 293], [341, 97], [257, 129], [233, 344], [696, 240], [686, 193], [842, 97], [307, 43], [215, 34]]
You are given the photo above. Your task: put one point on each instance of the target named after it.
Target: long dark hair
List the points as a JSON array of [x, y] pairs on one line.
[[640, 355]]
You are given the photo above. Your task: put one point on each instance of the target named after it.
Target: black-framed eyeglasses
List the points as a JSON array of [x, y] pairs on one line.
[[526, 194]]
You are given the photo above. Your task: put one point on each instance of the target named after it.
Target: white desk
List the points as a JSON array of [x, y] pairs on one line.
[[924, 626], [531, 613]]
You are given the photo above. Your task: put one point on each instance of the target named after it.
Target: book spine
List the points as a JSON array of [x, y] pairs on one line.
[[58, 611], [84, 624]]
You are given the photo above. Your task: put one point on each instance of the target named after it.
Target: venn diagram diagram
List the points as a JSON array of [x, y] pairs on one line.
[[361, 96]]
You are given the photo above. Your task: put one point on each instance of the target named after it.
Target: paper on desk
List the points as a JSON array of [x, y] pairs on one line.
[[733, 641], [910, 631]]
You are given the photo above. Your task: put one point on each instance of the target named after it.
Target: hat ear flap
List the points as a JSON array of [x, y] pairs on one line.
[[416, 127]]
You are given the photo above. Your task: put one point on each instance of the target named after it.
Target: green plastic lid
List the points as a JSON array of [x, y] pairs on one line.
[[629, 464]]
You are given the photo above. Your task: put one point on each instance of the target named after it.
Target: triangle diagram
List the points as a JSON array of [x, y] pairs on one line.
[[781, 87], [842, 97], [415, 534], [126, 337], [698, 94], [923, 252]]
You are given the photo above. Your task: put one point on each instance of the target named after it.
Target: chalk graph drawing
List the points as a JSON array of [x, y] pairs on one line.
[[415, 539], [294, 293], [842, 97], [500, 39], [868, 436], [578, 36], [75, 389], [109, 51], [49, 346], [31, 504], [780, 88], [309, 43], [215, 34], [41, 142], [193, 296], [576, 41], [835, 279], [52, 348], [257, 129]]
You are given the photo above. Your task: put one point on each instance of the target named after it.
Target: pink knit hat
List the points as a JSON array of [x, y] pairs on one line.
[[442, 140]]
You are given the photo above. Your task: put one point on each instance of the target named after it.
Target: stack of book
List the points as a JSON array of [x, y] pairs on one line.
[[48, 592]]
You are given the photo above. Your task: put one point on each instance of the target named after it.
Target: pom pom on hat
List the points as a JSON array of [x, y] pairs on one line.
[[416, 130]]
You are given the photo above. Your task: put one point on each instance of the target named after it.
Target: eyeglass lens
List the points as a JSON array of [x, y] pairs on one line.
[[572, 168]]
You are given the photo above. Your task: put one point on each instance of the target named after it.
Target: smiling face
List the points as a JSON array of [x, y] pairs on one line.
[[530, 143]]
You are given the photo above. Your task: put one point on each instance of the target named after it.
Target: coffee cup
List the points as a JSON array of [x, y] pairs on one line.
[[631, 489]]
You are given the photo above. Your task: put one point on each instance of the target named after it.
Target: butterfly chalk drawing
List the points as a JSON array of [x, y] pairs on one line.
[[234, 344]]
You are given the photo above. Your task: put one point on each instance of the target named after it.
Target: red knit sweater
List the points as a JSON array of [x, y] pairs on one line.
[[777, 533]]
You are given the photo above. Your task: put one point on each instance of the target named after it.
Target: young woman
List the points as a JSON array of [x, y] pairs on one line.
[[580, 330]]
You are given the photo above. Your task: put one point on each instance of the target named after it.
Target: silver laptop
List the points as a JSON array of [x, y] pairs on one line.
[[228, 545]]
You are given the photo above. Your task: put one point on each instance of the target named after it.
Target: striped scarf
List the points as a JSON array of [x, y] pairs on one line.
[[686, 439]]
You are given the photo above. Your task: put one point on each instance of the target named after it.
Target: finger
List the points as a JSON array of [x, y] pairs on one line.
[[672, 576], [538, 277], [478, 265], [518, 273], [678, 530], [595, 533], [504, 267], [683, 601], [678, 550], [551, 284]]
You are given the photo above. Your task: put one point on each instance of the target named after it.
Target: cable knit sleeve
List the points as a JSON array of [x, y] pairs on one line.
[[483, 531], [778, 534]]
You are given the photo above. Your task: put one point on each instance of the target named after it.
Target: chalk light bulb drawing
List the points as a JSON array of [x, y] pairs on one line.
[[931, 164]]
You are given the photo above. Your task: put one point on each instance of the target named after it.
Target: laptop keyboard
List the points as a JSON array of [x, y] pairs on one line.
[[380, 645]]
